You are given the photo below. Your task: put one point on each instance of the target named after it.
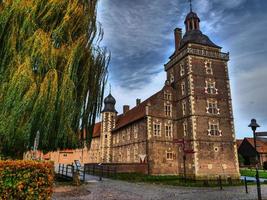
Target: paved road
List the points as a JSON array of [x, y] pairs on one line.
[[120, 190]]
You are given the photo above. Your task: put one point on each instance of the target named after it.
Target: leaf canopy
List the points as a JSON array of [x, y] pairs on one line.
[[52, 73]]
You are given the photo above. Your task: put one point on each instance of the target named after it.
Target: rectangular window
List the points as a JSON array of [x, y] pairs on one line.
[[156, 129], [118, 138], [168, 110], [168, 130], [167, 96], [135, 154], [210, 87], [128, 155], [183, 88], [169, 155], [214, 129], [184, 107], [208, 67], [185, 128], [212, 107], [182, 70], [135, 131]]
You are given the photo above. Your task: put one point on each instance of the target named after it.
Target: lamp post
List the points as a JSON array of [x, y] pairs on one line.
[[254, 126]]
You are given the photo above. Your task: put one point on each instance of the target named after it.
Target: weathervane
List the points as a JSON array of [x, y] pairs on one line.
[[190, 1]]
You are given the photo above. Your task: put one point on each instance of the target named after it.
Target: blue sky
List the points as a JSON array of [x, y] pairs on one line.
[[139, 35]]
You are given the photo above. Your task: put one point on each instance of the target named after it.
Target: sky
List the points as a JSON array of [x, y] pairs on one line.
[[139, 35]]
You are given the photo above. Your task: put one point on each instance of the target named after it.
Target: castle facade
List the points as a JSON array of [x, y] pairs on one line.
[[187, 125]]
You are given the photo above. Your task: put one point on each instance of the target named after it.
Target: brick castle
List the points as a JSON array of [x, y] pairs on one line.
[[193, 108]]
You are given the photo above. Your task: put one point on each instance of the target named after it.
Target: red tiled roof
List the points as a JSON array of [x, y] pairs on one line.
[[97, 129], [238, 142], [136, 113], [261, 144]]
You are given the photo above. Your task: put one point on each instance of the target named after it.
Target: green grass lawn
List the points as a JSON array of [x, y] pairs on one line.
[[252, 172]]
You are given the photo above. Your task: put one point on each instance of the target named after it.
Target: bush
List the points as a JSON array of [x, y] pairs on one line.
[[26, 179], [265, 165]]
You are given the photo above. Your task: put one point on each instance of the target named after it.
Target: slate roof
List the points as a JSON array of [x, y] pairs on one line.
[[136, 113], [196, 36]]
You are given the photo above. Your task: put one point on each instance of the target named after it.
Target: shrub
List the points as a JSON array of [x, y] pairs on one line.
[[26, 180], [265, 165]]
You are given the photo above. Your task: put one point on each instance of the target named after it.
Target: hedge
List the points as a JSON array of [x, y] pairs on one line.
[[26, 180]]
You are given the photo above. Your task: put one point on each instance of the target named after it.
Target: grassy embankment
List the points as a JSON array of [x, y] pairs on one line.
[[252, 172]]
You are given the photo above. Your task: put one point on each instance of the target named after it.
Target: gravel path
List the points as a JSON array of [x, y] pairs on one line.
[[120, 190]]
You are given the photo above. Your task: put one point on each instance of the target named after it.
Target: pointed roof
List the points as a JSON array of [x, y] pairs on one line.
[[109, 104], [261, 144]]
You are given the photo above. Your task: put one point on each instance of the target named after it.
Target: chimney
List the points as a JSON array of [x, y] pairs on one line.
[[177, 37], [126, 108], [138, 101]]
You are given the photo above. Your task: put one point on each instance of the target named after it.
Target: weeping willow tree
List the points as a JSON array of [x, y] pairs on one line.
[[52, 73]]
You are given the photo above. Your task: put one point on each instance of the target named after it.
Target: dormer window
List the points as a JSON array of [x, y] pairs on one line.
[[210, 87], [167, 96], [182, 70], [208, 68]]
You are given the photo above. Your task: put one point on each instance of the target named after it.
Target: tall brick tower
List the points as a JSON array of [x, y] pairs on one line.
[[198, 72], [109, 114]]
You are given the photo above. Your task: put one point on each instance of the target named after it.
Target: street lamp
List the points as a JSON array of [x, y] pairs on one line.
[[254, 126]]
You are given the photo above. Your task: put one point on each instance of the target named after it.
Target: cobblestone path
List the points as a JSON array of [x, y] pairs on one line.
[[120, 190]]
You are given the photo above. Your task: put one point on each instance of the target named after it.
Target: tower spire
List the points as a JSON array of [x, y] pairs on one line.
[[109, 88], [190, 1]]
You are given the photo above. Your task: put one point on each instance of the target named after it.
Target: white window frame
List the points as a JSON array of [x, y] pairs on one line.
[[183, 88], [211, 87], [182, 70], [157, 129], [118, 138], [135, 131], [208, 67], [185, 128], [168, 130], [214, 128], [184, 107], [169, 155], [212, 107], [168, 109], [167, 96]]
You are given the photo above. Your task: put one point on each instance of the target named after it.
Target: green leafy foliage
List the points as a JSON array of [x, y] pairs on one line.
[[52, 73], [26, 180]]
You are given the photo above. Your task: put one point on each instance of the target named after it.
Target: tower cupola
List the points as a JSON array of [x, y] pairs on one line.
[[109, 104], [191, 21]]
